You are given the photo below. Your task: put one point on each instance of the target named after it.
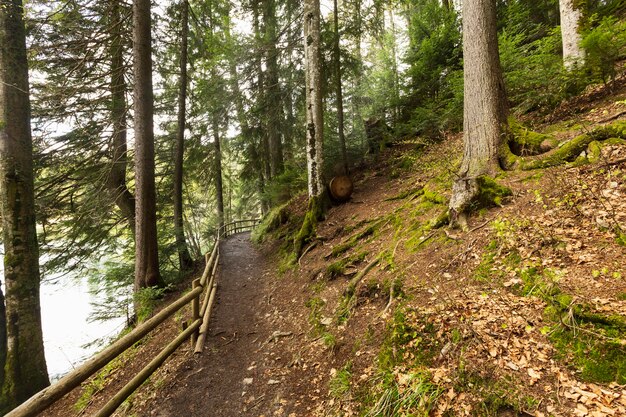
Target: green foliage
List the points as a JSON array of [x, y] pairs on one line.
[[605, 45], [146, 300], [285, 186], [415, 395], [533, 71], [433, 98]]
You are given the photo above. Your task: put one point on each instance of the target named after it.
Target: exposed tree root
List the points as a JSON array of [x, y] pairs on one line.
[[349, 291], [567, 152]]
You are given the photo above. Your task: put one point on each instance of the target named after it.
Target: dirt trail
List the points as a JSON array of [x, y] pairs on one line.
[[235, 375]]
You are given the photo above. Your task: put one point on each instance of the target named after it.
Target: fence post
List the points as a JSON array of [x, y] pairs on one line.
[[195, 311]]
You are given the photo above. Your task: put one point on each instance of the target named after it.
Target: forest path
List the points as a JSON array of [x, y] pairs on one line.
[[239, 372]]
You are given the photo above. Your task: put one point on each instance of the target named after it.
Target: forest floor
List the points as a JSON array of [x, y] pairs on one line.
[[522, 315]]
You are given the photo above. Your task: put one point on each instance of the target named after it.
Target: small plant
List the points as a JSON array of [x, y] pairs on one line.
[[409, 394], [339, 385], [605, 46], [146, 300]]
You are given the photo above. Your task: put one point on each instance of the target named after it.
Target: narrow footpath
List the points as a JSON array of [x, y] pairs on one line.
[[240, 372]]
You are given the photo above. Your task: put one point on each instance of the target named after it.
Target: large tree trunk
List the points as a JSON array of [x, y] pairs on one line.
[[314, 106], [24, 363], [339, 91], [116, 180], [273, 102], [573, 54], [484, 109], [146, 245], [219, 188], [184, 258]]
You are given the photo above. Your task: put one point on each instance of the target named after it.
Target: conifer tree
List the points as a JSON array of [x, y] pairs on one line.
[[21, 341]]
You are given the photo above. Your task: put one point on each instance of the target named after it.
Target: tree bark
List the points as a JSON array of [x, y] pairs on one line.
[[273, 102], [314, 105], [146, 245], [184, 258], [264, 146], [573, 53], [116, 180], [219, 188], [24, 365], [339, 91], [485, 106]]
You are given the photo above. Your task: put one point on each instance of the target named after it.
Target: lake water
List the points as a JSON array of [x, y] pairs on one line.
[[67, 303], [66, 307]]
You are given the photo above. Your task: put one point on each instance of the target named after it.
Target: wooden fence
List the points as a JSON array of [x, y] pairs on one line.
[[203, 289]]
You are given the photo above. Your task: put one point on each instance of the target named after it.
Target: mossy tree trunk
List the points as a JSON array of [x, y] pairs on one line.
[[314, 123], [21, 340], [485, 106]]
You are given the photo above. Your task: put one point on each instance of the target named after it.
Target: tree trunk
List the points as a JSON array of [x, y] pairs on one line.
[[184, 258], [573, 54], [314, 106], [485, 107], [273, 105], [219, 189], [394, 68], [24, 364], [146, 244], [116, 181], [339, 91]]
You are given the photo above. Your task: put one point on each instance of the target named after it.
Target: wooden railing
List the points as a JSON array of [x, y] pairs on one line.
[[197, 330], [238, 226]]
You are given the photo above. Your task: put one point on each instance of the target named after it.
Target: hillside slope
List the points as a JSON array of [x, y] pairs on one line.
[[525, 314], [386, 315]]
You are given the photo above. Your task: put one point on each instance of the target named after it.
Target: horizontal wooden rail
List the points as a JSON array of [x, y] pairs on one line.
[[238, 226], [145, 373], [44, 398], [197, 330]]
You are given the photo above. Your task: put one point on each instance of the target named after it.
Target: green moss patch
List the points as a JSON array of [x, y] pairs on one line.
[[590, 342]]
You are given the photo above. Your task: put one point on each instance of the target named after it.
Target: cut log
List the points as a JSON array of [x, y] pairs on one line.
[[341, 188]]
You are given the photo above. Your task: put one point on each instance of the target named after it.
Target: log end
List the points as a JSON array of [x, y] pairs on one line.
[[341, 188]]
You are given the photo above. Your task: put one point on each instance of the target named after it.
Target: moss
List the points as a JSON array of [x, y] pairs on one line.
[[272, 221], [490, 193], [568, 152], [410, 194], [338, 268], [345, 246], [601, 358], [594, 151], [597, 360], [315, 213], [526, 142]]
